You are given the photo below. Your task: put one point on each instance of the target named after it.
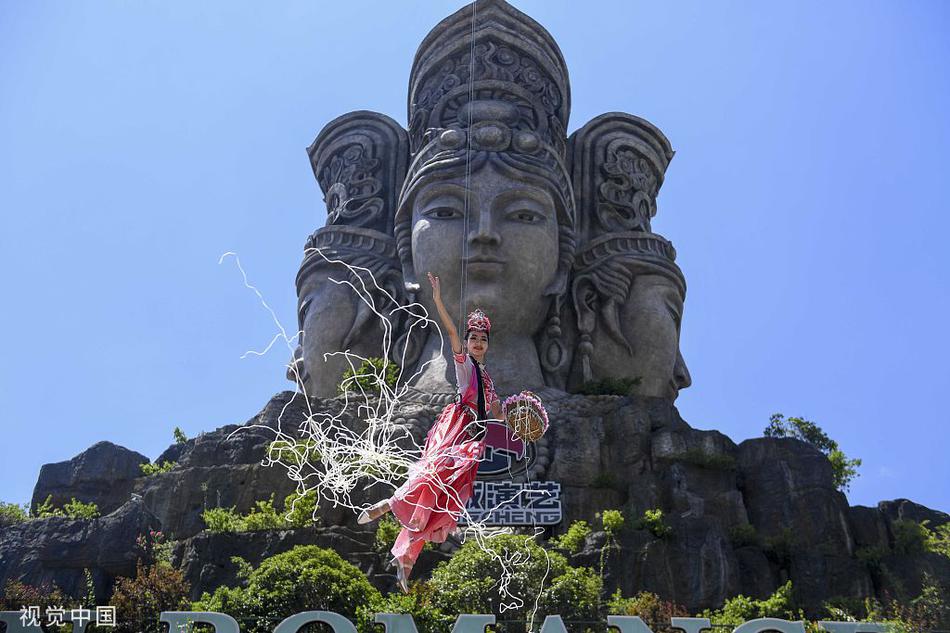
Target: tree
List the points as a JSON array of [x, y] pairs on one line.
[[468, 583], [844, 470], [305, 577]]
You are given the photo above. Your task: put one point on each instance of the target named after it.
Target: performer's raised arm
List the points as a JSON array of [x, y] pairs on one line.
[[447, 323]]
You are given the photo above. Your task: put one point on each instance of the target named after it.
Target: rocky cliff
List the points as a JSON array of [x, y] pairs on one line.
[[744, 518]]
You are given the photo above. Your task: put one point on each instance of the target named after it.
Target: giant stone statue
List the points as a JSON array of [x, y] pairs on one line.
[[549, 235]]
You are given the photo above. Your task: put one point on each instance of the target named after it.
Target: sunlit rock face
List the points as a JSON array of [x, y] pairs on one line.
[[549, 235]]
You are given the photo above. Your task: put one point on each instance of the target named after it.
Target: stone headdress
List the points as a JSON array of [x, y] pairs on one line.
[[618, 163], [494, 93]]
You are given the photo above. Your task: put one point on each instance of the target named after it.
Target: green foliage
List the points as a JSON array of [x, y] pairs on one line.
[[871, 557], [156, 469], [711, 461], [609, 387], [652, 520], [368, 376], [223, 520], [263, 516], [572, 541], [15, 594], [295, 453], [743, 535], [421, 603], [140, 601], [468, 582], [299, 509], [72, 510], [309, 576], [938, 540], [13, 513], [910, 537], [844, 469], [928, 611], [155, 547], [779, 548], [613, 521], [298, 513], [655, 611], [180, 437], [742, 609], [387, 529]]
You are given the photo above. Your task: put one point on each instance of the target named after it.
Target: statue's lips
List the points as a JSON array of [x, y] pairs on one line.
[[484, 265]]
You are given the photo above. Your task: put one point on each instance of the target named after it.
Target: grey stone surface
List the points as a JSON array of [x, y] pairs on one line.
[[608, 452], [550, 237], [102, 474], [58, 550]]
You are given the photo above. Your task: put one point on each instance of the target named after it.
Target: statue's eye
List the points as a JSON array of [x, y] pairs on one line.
[[526, 215], [443, 213]]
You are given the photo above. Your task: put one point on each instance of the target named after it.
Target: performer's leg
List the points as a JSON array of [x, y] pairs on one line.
[[405, 552], [374, 512]]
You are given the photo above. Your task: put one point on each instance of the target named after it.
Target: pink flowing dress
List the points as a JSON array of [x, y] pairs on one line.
[[440, 484]]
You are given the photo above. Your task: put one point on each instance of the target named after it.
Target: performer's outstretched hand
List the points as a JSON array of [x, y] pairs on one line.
[[436, 288], [447, 322]]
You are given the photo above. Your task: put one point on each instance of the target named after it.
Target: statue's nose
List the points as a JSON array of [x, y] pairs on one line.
[[681, 373], [482, 229]]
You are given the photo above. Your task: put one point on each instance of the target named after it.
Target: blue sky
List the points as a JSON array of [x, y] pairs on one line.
[[807, 200]]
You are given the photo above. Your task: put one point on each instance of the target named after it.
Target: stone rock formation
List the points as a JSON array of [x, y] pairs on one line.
[[744, 518]]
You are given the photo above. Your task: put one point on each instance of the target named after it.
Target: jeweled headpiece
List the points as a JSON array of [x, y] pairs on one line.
[[478, 320]]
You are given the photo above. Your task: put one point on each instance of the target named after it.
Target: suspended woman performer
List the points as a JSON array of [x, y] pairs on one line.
[[440, 483]]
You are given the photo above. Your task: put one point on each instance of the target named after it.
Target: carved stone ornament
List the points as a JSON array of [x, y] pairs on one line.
[[360, 160], [618, 162]]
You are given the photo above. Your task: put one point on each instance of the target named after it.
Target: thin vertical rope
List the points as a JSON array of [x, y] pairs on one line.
[[463, 282]]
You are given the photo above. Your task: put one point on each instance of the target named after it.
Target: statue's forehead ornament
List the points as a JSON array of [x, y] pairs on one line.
[[513, 62]]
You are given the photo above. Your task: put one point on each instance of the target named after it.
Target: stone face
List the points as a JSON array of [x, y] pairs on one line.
[[102, 474], [550, 236]]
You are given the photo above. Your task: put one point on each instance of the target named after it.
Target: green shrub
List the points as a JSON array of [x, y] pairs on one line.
[[573, 540], [872, 557], [299, 509], [306, 577], [779, 548], [613, 521], [296, 453], [609, 387], [844, 470], [13, 513], [422, 603], [910, 537], [156, 469], [655, 611], [72, 510], [652, 521], [179, 435], [711, 461], [140, 601], [368, 376], [15, 594], [223, 520], [743, 535], [742, 609], [298, 513], [468, 583], [938, 539], [387, 530], [603, 480]]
